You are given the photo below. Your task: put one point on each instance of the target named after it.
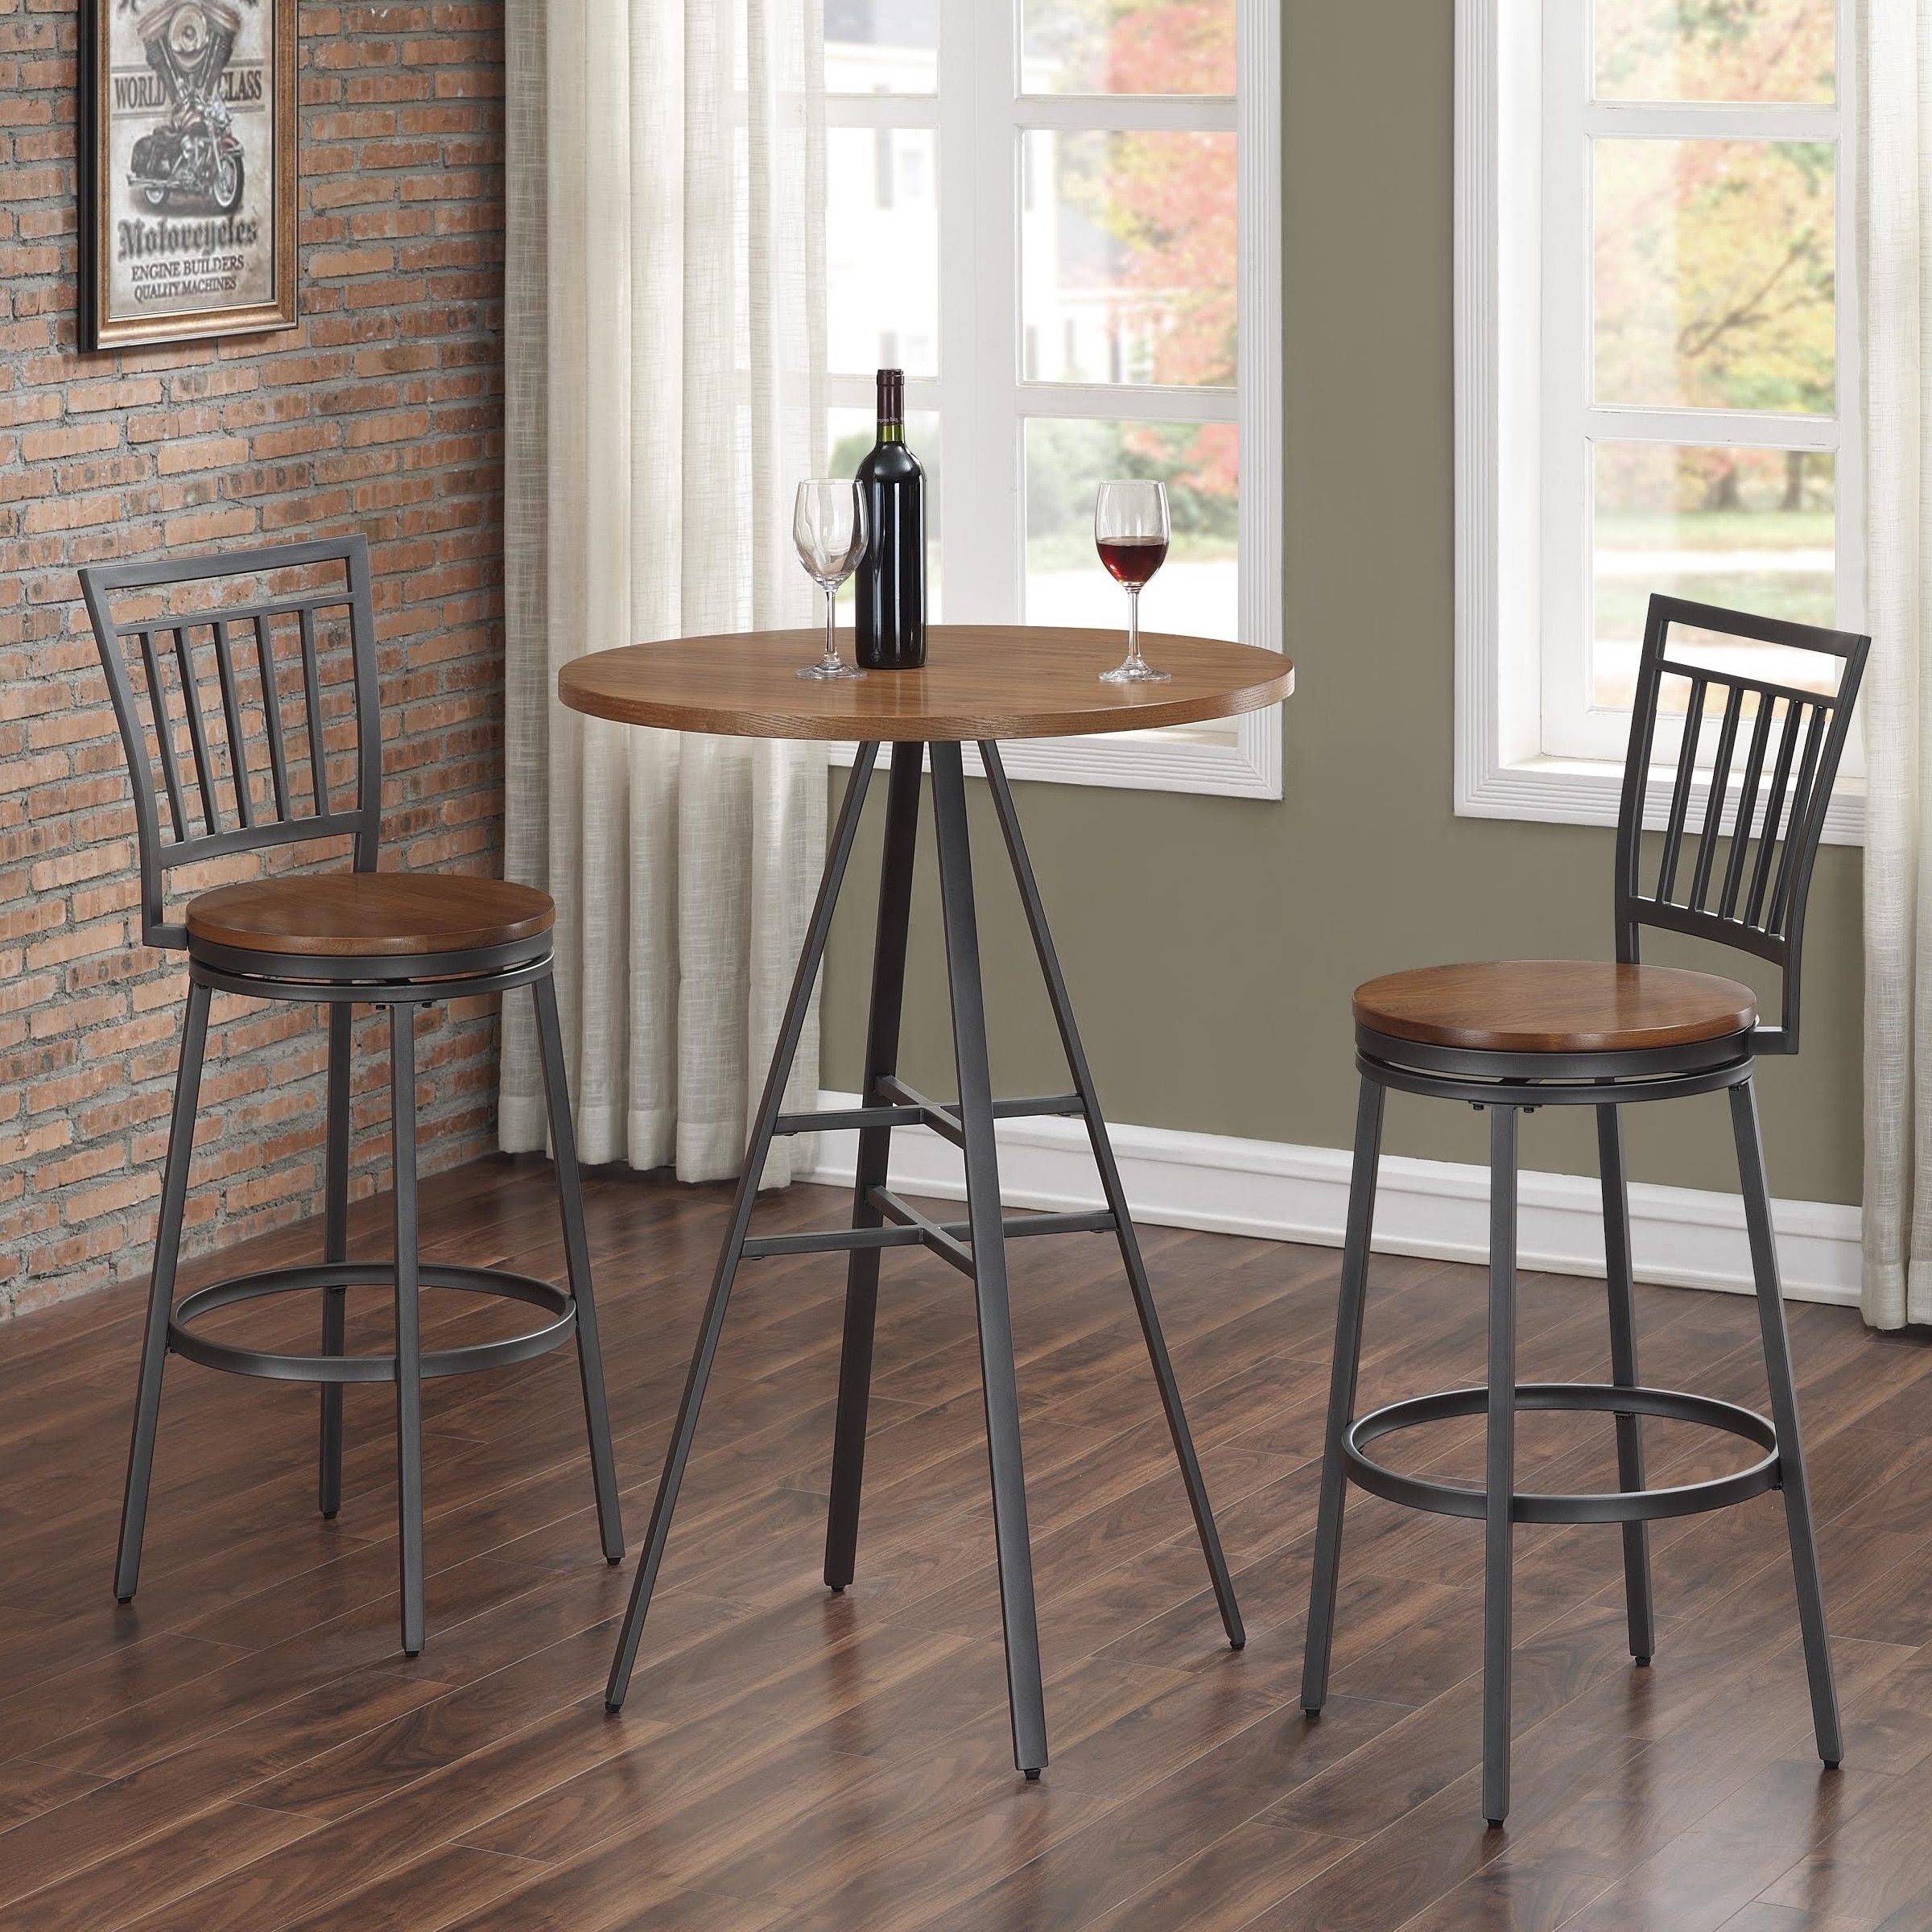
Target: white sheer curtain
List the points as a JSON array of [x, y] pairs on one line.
[[1896, 242], [664, 323]]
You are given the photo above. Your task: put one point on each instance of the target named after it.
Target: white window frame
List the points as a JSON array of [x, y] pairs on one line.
[[979, 113], [1506, 398]]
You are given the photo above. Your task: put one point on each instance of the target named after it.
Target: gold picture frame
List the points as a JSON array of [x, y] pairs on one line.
[[187, 170]]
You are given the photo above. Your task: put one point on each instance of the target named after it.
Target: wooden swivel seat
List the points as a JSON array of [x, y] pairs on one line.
[[1742, 813], [246, 689]]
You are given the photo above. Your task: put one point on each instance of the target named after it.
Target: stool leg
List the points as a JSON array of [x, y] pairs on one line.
[[1623, 1372], [335, 1247], [409, 1325], [1499, 1478], [684, 1431], [1784, 1416], [1025, 1698], [874, 1164], [1102, 1145], [576, 1253], [1341, 1397], [161, 1292]]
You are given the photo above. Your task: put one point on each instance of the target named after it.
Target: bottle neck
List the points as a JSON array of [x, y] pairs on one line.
[[892, 433]]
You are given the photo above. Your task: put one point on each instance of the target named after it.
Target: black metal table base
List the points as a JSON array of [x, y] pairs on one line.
[[1507, 1085], [975, 1246]]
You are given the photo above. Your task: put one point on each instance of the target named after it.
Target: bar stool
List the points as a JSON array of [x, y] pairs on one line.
[[1516, 1036], [244, 687]]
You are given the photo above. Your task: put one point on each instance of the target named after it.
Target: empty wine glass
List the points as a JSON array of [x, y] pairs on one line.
[[828, 529], [1130, 532]]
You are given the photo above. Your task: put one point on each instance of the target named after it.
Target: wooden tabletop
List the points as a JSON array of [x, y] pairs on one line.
[[979, 681]]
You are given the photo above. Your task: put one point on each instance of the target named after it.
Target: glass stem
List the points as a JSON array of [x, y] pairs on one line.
[[832, 635], [1133, 624]]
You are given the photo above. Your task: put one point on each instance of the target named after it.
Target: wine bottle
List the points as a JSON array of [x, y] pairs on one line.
[[890, 584]]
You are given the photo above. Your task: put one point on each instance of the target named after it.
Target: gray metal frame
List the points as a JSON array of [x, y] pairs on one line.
[[975, 1246], [263, 809], [1754, 846]]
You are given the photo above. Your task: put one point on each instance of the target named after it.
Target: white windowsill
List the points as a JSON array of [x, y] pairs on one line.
[[1242, 762], [1585, 791]]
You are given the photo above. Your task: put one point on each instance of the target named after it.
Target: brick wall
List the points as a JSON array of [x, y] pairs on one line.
[[383, 413]]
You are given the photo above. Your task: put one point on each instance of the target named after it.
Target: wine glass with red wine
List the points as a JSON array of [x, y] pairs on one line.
[[1130, 532], [829, 530]]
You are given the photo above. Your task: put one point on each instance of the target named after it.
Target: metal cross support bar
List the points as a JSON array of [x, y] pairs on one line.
[[916, 1110], [912, 1231], [881, 1219]]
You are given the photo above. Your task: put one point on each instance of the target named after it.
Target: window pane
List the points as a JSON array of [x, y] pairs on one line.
[[1750, 529], [1196, 591], [1127, 46], [1127, 246], [849, 434], [883, 250], [1715, 267], [882, 47], [1716, 50]]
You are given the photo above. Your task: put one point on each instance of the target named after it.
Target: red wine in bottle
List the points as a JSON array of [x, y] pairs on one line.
[[890, 584], [1132, 559]]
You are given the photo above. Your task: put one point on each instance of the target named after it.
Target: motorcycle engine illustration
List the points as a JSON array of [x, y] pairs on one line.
[[195, 154]]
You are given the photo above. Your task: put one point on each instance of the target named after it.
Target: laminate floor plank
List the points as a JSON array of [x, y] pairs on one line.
[[245, 1749]]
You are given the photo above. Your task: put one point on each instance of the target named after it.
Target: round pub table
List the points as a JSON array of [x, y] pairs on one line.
[[982, 683]]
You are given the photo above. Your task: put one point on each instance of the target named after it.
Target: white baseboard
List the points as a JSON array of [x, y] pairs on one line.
[[1679, 1236]]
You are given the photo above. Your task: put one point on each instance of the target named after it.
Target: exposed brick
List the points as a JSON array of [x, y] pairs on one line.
[[382, 412]]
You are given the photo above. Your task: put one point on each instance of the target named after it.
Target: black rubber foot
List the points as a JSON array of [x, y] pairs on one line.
[[1312, 1710], [837, 1589], [124, 1600], [1496, 1824], [611, 1710], [1032, 1777], [1642, 1663], [412, 1655], [1240, 1644], [1831, 1764], [614, 1560]]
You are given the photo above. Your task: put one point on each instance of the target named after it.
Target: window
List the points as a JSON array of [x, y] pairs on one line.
[[1656, 362], [1058, 217]]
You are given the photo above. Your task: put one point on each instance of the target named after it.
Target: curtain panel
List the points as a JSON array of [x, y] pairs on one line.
[[664, 324], [1895, 238]]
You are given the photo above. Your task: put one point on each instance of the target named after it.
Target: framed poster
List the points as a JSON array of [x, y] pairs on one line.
[[188, 169]]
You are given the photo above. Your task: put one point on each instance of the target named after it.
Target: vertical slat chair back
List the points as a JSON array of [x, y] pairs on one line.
[[1734, 866], [237, 739]]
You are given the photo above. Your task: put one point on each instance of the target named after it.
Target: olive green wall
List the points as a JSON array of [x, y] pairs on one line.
[[1212, 944]]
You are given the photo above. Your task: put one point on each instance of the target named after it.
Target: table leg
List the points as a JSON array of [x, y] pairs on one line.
[[1117, 1197], [799, 1003], [1025, 1697], [874, 1162]]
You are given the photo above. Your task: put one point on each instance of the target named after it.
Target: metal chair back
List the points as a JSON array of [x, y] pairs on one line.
[[240, 731], [1736, 870]]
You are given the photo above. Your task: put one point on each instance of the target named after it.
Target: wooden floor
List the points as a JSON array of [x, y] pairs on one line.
[[246, 1750]]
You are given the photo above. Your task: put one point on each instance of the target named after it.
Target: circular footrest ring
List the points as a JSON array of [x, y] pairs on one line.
[[183, 1341], [1612, 1506]]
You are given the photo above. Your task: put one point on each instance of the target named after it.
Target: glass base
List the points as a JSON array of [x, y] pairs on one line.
[[828, 668], [1136, 671]]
